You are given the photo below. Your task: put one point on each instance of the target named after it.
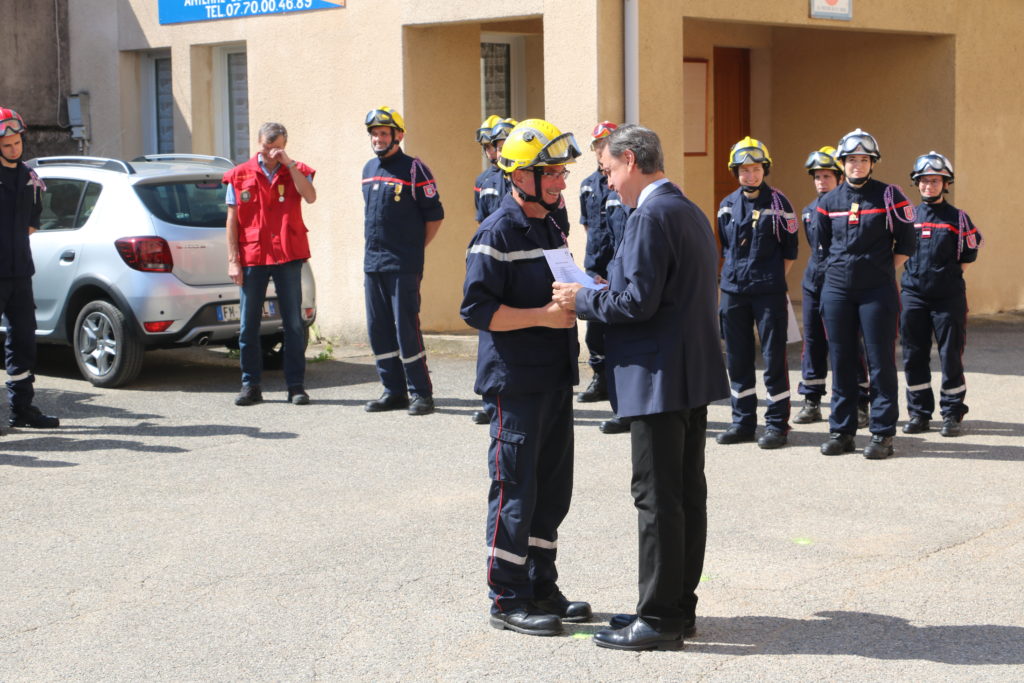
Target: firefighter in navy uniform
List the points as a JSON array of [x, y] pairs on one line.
[[491, 187], [403, 214], [759, 236], [866, 229], [21, 203], [526, 369], [934, 299], [827, 174], [603, 216]]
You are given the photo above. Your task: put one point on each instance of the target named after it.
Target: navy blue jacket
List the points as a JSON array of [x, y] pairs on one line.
[[860, 249], [489, 188], [604, 216], [756, 241], [814, 274], [21, 204], [946, 237], [505, 265], [395, 219], [662, 337]]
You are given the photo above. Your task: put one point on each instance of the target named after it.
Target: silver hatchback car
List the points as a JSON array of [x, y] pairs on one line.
[[131, 255]]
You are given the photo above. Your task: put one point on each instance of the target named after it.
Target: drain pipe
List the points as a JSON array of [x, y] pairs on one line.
[[631, 59]]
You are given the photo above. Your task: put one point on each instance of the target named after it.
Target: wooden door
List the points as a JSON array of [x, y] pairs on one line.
[[732, 112]]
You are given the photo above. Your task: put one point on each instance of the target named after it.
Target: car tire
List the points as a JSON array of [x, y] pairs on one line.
[[108, 352]]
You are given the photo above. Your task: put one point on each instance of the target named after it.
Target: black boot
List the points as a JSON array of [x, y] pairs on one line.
[[811, 412], [596, 391]]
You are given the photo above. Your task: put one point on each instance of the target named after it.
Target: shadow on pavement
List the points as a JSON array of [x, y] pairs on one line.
[[859, 634]]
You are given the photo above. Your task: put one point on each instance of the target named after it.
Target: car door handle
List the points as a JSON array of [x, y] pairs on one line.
[[68, 256]]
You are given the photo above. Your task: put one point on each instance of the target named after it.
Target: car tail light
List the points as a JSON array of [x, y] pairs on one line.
[[150, 254], [157, 325]]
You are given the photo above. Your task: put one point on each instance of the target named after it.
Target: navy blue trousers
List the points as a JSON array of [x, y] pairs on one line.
[[393, 323], [739, 313], [873, 313], [595, 345], [947, 319], [18, 304], [530, 463], [814, 355]]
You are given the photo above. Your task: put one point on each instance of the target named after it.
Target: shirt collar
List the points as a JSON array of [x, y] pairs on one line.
[[646, 192]]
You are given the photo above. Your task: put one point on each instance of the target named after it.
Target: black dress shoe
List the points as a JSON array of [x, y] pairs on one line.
[[530, 623], [950, 427], [735, 434], [481, 417], [616, 425], [596, 391], [880, 447], [638, 636], [387, 402], [811, 412], [624, 620], [32, 417], [772, 438], [838, 444], [421, 405], [560, 606], [917, 425], [297, 395]]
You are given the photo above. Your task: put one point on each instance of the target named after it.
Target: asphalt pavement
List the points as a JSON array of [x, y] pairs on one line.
[[164, 534]]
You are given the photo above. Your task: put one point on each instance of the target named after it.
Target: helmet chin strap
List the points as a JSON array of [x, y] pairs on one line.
[[10, 160], [384, 152], [857, 182], [536, 199]]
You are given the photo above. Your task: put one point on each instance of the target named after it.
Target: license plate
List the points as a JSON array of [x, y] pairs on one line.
[[232, 312]]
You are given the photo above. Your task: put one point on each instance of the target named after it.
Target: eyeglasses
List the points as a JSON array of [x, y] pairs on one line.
[[563, 174]]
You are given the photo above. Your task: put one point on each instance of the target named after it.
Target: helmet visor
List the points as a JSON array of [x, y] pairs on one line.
[[379, 117], [483, 135], [929, 164], [858, 144], [561, 150], [11, 126], [820, 160], [749, 155]]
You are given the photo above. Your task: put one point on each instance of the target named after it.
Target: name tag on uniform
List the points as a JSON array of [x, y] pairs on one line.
[[926, 231], [376, 186]]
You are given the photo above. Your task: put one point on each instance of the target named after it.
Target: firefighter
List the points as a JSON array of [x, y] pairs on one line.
[[934, 298]]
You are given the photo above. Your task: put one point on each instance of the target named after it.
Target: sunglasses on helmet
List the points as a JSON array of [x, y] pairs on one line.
[[928, 163], [379, 117], [820, 160], [561, 150], [11, 126], [853, 144]]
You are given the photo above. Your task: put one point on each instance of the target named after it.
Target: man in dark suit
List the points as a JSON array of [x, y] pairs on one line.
[[666, 360]]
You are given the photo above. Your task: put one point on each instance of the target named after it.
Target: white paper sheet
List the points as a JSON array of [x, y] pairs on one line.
[[565, 269]]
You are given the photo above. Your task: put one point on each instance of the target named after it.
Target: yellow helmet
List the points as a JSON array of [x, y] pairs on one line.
[[502, 128], [749, 151], [535, 142], [823, 159], [483, 133], [385, 116]]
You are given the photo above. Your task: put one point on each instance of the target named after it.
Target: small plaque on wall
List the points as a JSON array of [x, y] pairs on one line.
[[832, 9]]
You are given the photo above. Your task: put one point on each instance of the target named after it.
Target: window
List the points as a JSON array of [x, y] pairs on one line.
[[65, 205], [231, 103], [502, 87], [157, 106], [197, 204]]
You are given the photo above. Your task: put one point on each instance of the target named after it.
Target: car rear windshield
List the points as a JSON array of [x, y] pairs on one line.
[[198, 204]]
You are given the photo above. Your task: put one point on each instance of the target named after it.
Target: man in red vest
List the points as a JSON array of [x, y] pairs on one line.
[[267, 240]]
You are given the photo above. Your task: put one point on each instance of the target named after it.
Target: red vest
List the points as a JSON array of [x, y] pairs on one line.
[[270, 227]]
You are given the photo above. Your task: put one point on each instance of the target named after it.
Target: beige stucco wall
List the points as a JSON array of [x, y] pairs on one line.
[[311, 72]]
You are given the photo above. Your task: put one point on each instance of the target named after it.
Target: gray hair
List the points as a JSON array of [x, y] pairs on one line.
[[271, 131], [642, 142]]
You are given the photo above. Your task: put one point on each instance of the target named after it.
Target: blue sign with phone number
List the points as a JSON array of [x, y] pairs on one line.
[[180, 11]]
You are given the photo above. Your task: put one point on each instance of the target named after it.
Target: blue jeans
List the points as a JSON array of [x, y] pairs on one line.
[[288, 283]]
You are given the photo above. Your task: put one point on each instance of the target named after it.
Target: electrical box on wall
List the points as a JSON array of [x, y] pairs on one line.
[[78, 115]]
